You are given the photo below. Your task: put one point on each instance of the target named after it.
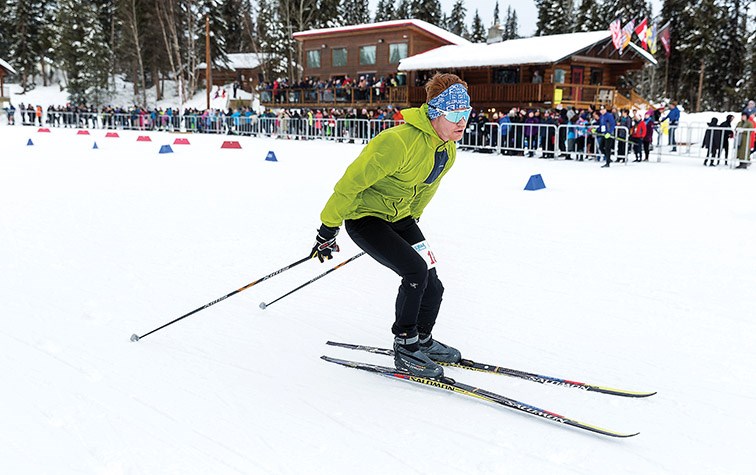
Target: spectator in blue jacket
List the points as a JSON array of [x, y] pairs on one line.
[[606, 124], [673, 115]]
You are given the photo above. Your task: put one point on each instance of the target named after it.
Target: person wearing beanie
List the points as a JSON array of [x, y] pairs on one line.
[[380, 199]]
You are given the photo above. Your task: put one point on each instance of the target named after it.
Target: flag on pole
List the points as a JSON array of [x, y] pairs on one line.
[[651, 38], [616, 28], [642, 31], [627, 34], [664, 36]]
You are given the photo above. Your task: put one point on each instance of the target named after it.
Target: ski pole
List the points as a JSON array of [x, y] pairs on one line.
[[264, 305], [135, 337]]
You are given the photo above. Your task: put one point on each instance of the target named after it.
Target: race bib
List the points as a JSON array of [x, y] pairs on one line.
[[423, 248]]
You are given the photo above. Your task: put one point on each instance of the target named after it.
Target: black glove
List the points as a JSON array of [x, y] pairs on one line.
[[325, 243]]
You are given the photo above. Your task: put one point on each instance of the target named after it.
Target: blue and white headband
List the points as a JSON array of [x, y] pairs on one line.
[[454, 97]]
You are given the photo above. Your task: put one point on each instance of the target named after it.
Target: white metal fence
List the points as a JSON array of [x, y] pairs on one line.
[[715, 145]]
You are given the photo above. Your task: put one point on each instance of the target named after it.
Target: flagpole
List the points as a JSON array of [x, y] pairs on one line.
[[666, 75]]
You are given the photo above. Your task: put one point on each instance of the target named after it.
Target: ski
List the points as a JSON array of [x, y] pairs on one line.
[[486, 368], [449, 384]]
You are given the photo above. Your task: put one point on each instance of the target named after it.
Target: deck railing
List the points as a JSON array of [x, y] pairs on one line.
[[495, 95]]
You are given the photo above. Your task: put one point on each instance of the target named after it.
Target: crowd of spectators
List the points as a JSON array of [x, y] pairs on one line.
[[337, 89], [565, 132]]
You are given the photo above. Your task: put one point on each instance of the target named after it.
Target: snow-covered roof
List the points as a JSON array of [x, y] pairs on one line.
[[6, 66], [534, 50], [240, 61], [423, 25]]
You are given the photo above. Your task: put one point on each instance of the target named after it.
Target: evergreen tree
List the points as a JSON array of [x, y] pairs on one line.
[[732, 51], [589, 17], [625, 10], [327, 15], [385, 11], [694, 30], [496, 15], [230, 11], [554, 17], [478, 32], [270, 36], [83, 55], [7, 32], [511, 26], [26, 18], [354, 12], [427, 10], [456, 21], [218, 31], [404, 10]]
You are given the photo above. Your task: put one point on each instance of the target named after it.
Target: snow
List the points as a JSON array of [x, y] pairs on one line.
[[533, 50], [7, 66], [123, 96], [423, 25], [637, 276]]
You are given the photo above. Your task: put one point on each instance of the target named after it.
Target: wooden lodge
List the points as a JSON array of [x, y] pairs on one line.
[[242, 68], [577, 69], [5, 69]]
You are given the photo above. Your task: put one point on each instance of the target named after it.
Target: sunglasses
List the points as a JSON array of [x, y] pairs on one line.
[[455, 116]]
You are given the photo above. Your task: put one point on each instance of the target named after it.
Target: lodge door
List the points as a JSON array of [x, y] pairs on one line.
[[576, 78]]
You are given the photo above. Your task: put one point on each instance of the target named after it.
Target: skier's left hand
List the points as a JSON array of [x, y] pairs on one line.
[[325, 243]]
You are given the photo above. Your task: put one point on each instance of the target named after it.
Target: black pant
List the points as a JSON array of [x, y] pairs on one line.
[[420, 292], [607, 148]]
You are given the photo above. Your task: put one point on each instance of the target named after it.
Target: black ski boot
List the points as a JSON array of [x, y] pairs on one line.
[[409, 358], [438, 351]]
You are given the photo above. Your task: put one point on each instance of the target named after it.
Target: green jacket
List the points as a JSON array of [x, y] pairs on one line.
[[388, 178]]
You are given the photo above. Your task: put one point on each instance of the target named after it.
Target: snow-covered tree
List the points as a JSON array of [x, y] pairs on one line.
[[455, 23], [731, 49], [427, 10], [588, 17], [511, 25], [478, 32], [625, 10], [26, 20], [404, 10], [554, 17], [82, 53], [327, 15], [385, 11], [496, 15], [354, 12]]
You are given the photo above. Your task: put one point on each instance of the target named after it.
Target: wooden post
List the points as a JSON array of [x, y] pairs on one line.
[[700, 86], [208, 67]]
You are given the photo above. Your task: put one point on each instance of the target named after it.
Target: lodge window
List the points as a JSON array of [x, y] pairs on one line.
[[506, 76], [339, 57], [313, 58], [597, 76], [397, 52], [559, 76], [367, 54]]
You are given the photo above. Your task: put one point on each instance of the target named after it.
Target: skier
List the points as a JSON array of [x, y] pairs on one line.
[[381, 197]]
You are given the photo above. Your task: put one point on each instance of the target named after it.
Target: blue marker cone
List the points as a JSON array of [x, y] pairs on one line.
[[30, 142], [535, 183], [95, 147], [271, 157], [166, 149]]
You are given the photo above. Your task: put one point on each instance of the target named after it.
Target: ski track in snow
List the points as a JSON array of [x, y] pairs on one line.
[[637, 277]]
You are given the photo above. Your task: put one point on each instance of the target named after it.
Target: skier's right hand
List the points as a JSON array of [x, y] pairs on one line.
[[325, 243]]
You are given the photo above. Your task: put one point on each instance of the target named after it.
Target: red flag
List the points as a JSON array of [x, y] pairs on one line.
[[641, 30], [664, 37], [616, 28]]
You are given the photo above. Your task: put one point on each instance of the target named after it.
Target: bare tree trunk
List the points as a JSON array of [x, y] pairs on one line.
[[170, 36], [192, 59], [700, 86], [131, 14]]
